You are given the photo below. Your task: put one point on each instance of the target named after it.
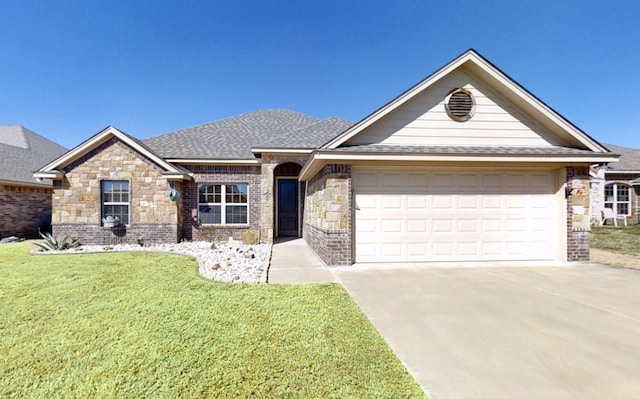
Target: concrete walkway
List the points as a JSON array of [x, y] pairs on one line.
[[292, 261]]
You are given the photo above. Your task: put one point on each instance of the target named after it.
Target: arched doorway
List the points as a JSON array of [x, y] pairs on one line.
[[287, 207]]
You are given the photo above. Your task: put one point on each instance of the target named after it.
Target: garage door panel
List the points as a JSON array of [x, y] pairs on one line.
[[391, 202], [450, 215]]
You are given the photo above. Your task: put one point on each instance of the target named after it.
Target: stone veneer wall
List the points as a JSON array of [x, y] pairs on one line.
[[328, 220], [269, 163], [24, 211], [77, 208], [191, 228], [578, 214]]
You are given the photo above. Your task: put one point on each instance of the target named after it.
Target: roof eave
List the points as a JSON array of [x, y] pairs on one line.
[[101, 138], [320, 158], [203, 161], [484, 66], [24, 183], [284, 151], [52, 174]]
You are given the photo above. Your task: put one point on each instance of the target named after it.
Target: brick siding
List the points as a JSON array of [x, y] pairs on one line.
[[24, 211], [191, 228]]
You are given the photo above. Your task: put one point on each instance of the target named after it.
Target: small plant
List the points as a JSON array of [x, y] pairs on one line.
[[141, 241], [59, 243]]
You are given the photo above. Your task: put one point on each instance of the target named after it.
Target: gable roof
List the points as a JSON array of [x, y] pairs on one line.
[[233, 138], [22, 152], [629, 160], [52, 170], [475, 64]]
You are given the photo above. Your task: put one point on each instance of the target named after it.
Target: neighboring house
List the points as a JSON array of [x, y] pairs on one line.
[[25, 201], [617, 186], [466, 165]]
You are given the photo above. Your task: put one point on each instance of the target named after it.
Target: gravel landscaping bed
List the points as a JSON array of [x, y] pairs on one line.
[[230, 262]]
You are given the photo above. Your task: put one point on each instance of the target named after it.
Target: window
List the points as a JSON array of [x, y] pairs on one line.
[[617, 197], [115, 200], [223, 204]]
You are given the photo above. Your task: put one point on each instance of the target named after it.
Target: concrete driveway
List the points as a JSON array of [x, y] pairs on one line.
[[508, 332]]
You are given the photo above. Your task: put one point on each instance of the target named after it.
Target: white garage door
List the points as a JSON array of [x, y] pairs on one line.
[[404, 215]]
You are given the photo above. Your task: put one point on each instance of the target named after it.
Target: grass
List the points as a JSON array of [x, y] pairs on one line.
[[146, 325], [621, 240]]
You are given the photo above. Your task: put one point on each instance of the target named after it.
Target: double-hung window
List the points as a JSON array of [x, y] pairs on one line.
[[617, 197], [116, 200], [223, 204]]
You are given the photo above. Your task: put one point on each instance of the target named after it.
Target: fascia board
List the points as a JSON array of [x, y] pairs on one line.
[[100, 138], [282, 150], [177, 176], [78, 151], [319, 159], [53, 174], [486, 67], [192, 161], [24, 184], [590, 158], [311, 167]]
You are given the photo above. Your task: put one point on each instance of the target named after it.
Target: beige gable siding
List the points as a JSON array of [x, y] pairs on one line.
[[423, 121]]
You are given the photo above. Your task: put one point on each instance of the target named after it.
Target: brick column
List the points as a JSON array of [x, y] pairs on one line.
[[578, 214]]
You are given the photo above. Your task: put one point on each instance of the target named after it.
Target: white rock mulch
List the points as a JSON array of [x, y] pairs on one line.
[[231, 262]]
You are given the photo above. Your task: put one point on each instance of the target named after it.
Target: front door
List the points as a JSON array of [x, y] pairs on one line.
[[287, 207]]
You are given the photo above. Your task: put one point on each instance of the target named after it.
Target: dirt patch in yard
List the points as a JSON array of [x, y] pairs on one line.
[[630, 261]]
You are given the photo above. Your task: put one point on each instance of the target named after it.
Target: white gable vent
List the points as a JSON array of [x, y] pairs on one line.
[[460, 105]]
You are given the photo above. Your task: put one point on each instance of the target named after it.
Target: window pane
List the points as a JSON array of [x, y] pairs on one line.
[[236, 214], [202, 193], [608, 193], [623, 209], [209, 193], [119, 211], [209, 214], [236, 193], [623, 193]]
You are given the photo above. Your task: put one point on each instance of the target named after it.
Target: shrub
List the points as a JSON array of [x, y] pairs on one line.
[[59, 243]]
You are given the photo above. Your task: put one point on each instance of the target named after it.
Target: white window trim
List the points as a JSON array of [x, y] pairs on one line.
[[223, 204], [105, 203], [614, 203]]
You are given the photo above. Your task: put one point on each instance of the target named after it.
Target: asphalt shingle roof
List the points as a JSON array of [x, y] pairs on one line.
[[22, 152], [460, 150], [233, 138], [629, 158]]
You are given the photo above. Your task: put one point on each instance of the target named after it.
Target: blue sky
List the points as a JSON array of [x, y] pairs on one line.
[[69, 69]]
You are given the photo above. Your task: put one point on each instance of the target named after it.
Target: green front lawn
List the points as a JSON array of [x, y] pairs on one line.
[[143, 325], [622, 240]]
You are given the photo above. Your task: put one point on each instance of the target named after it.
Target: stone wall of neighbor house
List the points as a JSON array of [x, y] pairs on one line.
[[269, 163], [578, 214], [77, 203], [222, 174], [24, 211], [328, 220]]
